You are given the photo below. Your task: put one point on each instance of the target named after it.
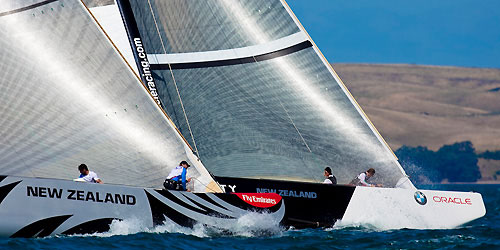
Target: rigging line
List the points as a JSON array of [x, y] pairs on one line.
[[300, 134], [296, 129], [290, 118], [344, 87], [175, 83], [203, 184]]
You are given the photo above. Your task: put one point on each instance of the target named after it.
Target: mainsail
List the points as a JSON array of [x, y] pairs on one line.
[[67, 97], [252, 93]]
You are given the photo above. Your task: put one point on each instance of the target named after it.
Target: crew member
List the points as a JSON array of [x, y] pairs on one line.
[[330, 178], [87, 176], [176, 180], [361, 179]]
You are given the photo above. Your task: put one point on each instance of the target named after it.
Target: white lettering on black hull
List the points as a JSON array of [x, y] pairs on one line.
[[232, 187], [289, 193], [81, 195]]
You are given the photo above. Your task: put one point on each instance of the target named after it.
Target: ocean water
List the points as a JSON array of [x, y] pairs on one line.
[[256, 232]]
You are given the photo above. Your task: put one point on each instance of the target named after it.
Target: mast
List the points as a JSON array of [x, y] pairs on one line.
[[146, 76]]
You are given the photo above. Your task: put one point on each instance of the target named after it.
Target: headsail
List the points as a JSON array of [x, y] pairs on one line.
[[68, 97], [244, 83]]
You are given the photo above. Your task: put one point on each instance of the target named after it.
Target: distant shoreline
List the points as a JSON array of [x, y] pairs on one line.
[[465, 183]]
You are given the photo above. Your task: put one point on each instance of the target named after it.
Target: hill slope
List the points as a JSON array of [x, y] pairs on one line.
[[428, 105]]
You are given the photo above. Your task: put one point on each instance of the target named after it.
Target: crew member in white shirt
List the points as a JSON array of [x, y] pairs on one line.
[[361, 179], [87, 175]]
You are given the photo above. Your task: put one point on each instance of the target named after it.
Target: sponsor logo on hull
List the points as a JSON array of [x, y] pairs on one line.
[[420, 198], [452, 200], [263, 200], [145, 69]]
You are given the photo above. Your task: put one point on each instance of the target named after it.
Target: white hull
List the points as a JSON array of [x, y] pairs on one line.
[[394, 208], [310, 204]]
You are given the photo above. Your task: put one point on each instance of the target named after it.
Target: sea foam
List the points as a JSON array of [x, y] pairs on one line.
[[250, 224]]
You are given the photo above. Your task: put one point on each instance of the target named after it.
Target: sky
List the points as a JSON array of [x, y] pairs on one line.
[[427, 32]]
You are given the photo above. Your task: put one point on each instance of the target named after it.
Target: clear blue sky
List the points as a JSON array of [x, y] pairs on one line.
[[431, 32]]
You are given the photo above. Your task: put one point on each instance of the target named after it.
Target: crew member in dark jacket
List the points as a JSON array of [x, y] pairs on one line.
[[330, 178]]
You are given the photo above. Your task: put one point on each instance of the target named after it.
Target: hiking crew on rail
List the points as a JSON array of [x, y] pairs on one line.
[[362, 179], [176, 180]]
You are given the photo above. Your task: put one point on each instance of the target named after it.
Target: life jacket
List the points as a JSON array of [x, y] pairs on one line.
[[332, 179]]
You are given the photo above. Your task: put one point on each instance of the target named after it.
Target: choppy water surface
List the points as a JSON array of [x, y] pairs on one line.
[[256, 232]]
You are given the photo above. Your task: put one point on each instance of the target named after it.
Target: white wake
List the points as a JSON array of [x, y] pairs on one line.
[[251, 224]]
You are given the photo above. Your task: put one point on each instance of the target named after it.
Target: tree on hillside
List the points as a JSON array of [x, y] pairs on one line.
[[493, 155], [420, 164], [458, 162]]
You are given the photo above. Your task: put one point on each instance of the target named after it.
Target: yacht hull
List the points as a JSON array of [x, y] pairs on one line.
[[38, 207], [321, 205]]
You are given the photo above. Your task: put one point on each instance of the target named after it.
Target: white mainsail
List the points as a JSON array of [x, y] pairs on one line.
[[253, 95], [68, 97]]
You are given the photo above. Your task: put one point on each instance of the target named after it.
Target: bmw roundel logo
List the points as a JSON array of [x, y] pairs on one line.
[[420, 198]]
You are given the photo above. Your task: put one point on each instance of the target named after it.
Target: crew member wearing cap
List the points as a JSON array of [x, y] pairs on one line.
[[176, 180]]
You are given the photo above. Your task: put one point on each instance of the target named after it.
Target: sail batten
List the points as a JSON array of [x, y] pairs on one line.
[[206, 63], [229, 54], [22, 7]]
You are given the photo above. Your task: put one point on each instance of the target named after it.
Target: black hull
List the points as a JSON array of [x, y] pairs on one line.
[[307, 204]]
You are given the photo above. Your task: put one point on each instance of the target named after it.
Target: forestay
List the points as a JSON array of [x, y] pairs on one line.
[[67, 97], [252, 94]]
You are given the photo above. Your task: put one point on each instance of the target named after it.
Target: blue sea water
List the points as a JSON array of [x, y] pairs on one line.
[[483, 233]]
